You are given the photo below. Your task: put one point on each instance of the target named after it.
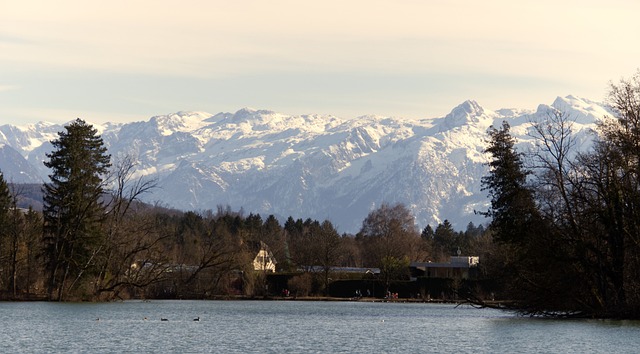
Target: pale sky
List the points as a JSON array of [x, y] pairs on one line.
[[129, 60]]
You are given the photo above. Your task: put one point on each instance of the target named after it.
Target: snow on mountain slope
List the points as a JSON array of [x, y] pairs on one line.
[[25, 139], [15, 168], [316, 166]]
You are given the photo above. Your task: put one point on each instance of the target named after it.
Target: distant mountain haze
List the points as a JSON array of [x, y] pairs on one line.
[[308, 166]]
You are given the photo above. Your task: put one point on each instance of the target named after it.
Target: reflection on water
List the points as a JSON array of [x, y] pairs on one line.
[[297, 327]]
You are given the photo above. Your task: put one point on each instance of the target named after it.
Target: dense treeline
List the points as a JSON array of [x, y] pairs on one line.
[[152, 251], [567, 225], [94, 239]]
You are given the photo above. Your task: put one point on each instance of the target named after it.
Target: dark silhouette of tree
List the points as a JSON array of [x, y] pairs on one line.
[[272, 233], [526, 261], [30, 269], [427, 233], [328, 249], [568, 244], [6, 200], [300, 240], [20, 232], [445, 241], [513, 208], [73, 206], [468, 241], [7, 229], [606, 200]]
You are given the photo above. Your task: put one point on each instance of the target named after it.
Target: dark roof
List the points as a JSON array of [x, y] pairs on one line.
[[317, 269]]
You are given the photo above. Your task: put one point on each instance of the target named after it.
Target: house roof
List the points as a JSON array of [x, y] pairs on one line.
[[317, 269]]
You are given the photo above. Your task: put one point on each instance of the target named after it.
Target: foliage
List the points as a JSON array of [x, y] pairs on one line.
[[6, 227], [389, 236], [445, 240], [513, 209], [73, 207], [568, 244]]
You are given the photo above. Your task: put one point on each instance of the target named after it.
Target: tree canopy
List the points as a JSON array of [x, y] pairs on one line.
[[73, 205], [569, 238]]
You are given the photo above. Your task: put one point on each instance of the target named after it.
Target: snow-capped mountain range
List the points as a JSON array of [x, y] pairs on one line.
[[308, 166]]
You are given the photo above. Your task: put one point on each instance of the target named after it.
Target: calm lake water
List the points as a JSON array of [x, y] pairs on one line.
[[297, 327]]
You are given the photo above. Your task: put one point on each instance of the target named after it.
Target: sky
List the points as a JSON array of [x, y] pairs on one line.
[[121, 61]]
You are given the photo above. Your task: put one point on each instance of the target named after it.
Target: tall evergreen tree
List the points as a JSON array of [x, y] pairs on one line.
[[445, 241], [427, 233], [73, 206], [513, 206], [6, 201], [527, 262]]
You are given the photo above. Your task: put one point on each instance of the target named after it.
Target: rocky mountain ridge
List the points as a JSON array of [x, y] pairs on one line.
[[317, 166]]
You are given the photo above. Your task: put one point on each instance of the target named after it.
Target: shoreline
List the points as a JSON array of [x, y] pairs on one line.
[[256, 298]]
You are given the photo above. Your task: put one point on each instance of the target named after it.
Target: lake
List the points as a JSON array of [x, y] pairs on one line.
[[297, 327]]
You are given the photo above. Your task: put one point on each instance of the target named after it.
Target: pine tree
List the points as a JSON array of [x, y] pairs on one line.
[[513, 206], [530, 262], [444, 239], [5, 203], [73, 206], [427, 233]]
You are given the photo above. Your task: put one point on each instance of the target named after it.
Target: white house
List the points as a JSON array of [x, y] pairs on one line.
[[264, 260]]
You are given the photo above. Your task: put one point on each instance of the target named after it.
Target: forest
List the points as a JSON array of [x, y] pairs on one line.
[[561, 239], [131, 249]]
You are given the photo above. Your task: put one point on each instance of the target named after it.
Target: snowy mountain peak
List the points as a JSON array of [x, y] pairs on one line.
[[249, 120], [582, 110], [179, 122], [250, 113], [465, 113]]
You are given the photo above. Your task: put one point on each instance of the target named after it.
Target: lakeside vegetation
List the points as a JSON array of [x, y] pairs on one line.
[[138, 250], [567, 225], [563, 238]]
